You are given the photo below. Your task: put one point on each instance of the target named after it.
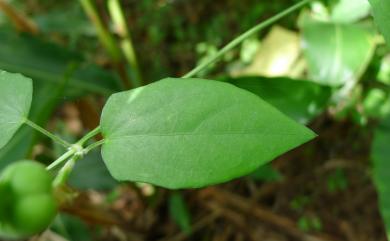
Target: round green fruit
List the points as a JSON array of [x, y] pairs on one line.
[[28, 177], [27, 203], [33, 214]]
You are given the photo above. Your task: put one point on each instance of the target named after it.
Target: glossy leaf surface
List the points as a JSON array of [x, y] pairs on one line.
[[15, 101], [185, 133]]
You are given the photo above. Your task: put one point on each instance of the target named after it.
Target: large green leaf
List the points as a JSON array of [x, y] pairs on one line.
[[336, 54], [43, 61], [299, 99], [184, 133], [381, 12], [15, 101], [381, 172]]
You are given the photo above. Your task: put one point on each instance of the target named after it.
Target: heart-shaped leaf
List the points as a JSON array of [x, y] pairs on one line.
[[184, 133], [15, 100]]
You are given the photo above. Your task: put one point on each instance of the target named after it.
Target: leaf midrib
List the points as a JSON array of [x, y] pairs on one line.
[[200, 134]]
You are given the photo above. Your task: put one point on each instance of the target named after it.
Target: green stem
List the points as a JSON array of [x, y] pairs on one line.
[[76, 149], [105, 36], [61, 159], [93, 146], [118, 17], [63, 174], [89, 135], [244, 36], [47, 133]]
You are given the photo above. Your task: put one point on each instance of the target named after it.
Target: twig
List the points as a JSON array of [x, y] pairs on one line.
[[281, 223], [197, 226], [55, 138], [235, 42], [231, 215]]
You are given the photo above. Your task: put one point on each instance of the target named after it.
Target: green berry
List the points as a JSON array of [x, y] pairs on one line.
[[27, 203], [33, 214], [30, 178]]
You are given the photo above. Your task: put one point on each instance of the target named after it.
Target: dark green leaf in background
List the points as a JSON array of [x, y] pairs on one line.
[[381, 12], [15, 101], [91, 173], [43, 61], [179, 211], [71, 228], [266, 173], [185, 133], [48, 65], [336, 54], [299, 99], [381, 172]]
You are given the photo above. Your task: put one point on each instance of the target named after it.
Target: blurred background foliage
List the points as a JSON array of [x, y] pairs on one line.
[[326, 66]]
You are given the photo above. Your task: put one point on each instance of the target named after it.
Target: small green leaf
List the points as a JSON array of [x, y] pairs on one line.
[[185, 133], [179, 211], [381, 174], [266, 173], [15, 101], [302, 100], [381, 12], [336, 53]]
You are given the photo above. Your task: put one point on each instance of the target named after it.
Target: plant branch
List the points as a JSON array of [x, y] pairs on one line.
[[61, 159], [118, 17], [48, 134], [93, 146], [244, 36], [63, 174], [89, 135]]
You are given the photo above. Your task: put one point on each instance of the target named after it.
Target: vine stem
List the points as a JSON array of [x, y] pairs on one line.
[[55, 138], [93, 146], [61, 159], [89, 135], [244, 36], [65, 171]]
